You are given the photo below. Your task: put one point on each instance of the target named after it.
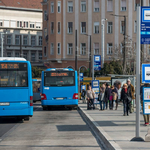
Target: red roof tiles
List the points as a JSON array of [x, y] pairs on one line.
[[34, 4]]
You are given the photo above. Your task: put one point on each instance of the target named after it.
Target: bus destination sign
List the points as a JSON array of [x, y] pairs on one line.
[[56, 74], [9, 66]]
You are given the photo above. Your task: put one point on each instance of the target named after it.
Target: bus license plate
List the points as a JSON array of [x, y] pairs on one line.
[[59, 98], [4, 104]]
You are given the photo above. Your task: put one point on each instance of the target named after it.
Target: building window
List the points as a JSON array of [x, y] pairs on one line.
[[70, 27], [25, 24], [17, 54], [17, 39], [59, 6], [38, 25], [83, 27], [19, 24], [8, 54], [122, 27], [83, 6], [96, 48], [52, 7], [8, 39], [149, 2], [123, 5], [109, 5], [58, 49], [13, 24], [33, 41], [121, 48], [40, 56], [96, 27], [109, 48], [1, 23], [58, 27], [135, 26], [25, 55], [45, 15], [32, 56], [70, 6], [96, 5], [25, 40], [137, 3], [83, 49], [70, 49], [52, 27], [45, 32], [40, 40], [109, 27], [31, 25], [52, 49], [45, 52]]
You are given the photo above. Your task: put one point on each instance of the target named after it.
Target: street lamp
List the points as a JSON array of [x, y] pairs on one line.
[[89, 56], [103, 40], [2, 43], [124, 53]]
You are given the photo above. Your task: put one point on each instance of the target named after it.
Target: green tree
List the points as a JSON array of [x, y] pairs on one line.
[[36, 72]]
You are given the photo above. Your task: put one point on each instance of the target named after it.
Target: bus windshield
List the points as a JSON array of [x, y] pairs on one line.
[[13, 75], [65, 78]]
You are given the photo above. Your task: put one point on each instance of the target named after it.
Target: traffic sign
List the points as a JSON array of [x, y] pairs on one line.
[[81, 76], [145, 73], [145, 25], [83, 87], [97, 62], [146, 100]]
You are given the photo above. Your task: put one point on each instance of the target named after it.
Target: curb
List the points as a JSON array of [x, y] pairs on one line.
[[107, 142]]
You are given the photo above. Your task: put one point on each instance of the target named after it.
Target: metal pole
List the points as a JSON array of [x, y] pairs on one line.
[[1, 44], [138, 42], [76, 65], [103, 44], [93, 69], [21, 55], [124, 53], [90, 59]]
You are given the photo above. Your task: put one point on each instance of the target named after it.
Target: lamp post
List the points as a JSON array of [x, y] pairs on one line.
[[89, 56], [124, 53], [103, 40], [2, 43]]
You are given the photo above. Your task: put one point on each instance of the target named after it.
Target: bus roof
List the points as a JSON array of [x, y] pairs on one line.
[[60, 69], [12, 58]]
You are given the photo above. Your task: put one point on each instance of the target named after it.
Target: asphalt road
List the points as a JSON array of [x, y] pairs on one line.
[[58, 129]]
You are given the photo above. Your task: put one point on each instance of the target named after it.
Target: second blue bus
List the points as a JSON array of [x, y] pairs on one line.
[[59, 87]]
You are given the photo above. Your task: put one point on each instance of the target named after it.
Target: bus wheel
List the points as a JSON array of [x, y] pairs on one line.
[[44, 108], [19, 118], [27, 119]]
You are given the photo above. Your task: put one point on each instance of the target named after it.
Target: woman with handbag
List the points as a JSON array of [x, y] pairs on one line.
[[126, 97]]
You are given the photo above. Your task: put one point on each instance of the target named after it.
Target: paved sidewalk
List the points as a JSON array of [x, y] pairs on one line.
[[116, 128]]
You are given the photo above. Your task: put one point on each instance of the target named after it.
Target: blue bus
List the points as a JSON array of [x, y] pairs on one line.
[[16, 88], [59, 87]]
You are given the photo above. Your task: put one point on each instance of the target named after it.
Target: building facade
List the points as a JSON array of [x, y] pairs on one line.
[[61, 18], [21, 25]]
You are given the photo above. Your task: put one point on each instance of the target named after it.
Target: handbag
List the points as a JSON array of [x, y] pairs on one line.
[[129, 99], [114, 96], [111, 98]]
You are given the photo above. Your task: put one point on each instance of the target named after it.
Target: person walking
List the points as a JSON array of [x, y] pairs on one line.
[[106, 95], [102, 97], [109, 96], [146, 117], [114, 95], [126, 97], [90, 98], [118, 89], [131, 88], [83, 96]]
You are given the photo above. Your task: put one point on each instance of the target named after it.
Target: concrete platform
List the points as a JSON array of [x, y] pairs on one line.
[[114, 129]]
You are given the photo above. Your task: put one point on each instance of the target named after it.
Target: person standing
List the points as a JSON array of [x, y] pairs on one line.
[[146, 117], [114, 95], [106, 95], [90, 97], [131, 88], [118, 89], [102, 97], [83, 96], [125, 96]]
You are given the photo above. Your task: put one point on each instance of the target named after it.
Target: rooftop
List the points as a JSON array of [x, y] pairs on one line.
[[33, 4]]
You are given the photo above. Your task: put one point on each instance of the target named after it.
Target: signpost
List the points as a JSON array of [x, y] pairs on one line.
[[145, 25], [96, 64], [145, 73], [81, 77], [95, 88], [146, 100], [83, 87]]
